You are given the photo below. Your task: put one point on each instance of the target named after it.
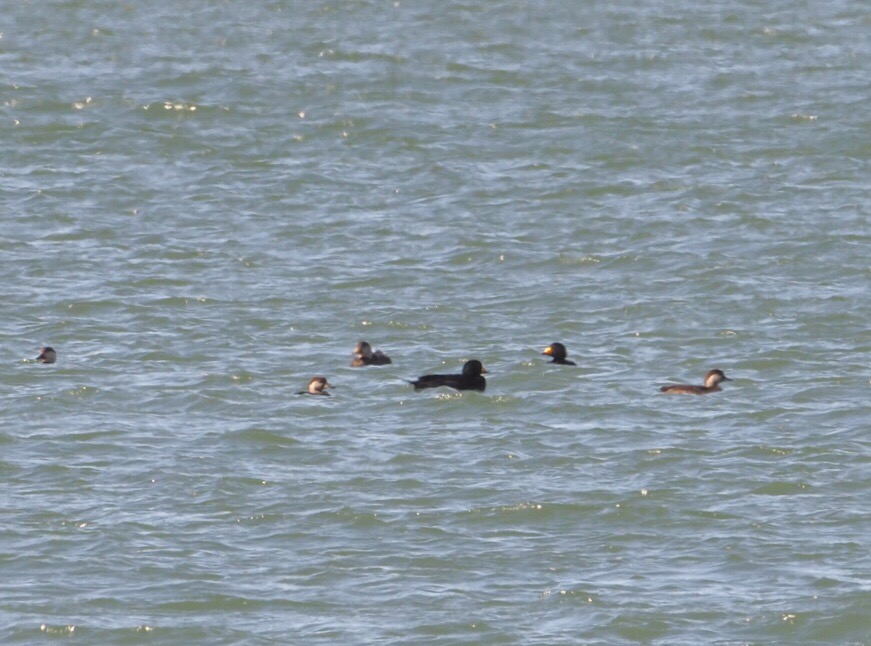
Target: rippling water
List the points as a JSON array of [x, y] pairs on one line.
[[205, 204]]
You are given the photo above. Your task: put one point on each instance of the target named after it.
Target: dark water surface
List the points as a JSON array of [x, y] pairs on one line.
[[204, 204]]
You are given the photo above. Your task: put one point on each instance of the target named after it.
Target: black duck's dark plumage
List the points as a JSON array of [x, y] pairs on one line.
[[47, 355], [470, 379], [558, 352]]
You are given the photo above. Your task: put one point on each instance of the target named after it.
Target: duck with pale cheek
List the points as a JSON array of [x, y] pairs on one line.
[[46, 355], [712, 384], [364, 356], [317, 386]]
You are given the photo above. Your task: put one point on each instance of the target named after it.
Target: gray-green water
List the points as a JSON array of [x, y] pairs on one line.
[[204, 204]]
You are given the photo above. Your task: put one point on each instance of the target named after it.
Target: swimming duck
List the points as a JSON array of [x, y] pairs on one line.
[[558, 352], [46, 355], [364, 356], [712, 384], [470, 379], [317, 386]]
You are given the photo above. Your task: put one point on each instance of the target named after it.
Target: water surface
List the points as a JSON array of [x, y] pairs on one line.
[[204, 206]]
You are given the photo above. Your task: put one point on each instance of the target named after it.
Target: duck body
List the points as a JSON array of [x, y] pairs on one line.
[[470, 379], [47, 355], [558, 352], [364, 356], [713, 379], [317, 386]]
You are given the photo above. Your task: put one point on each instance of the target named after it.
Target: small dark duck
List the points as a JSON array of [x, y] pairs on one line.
[[558, 352], [712, 384], [470, 379], [364, 356], [46, 355], [317, 386]]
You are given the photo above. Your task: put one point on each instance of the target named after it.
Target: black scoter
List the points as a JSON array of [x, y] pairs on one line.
[[364, 356], [317, 386], [558, 352], [470, 379], [46, 355]]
